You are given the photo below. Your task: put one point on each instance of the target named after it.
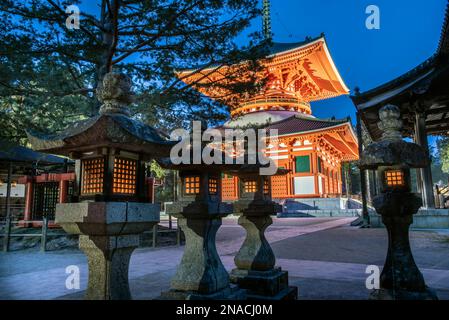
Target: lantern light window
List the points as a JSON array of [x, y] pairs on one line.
[[192, 185], [93, 173], [250, 186], [213, 186], [124, 176], [394, 178], [266, 187]]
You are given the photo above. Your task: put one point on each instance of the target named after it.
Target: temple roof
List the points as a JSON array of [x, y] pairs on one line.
[[396, 86], [443, 46], [114, 130], [300, 124], [296, 73], [259, 118], [337, 132], [286, 122], [282, 47], [10, 152], [273, 49]]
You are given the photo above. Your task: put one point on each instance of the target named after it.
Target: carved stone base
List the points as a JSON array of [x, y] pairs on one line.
[[200, 269], [388, 294], [108, 259], [230, 293], [264, 285]]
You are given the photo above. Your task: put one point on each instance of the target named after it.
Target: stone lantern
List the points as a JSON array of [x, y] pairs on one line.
[[110, 205], [393, 157], [255, 261], [199, 210]]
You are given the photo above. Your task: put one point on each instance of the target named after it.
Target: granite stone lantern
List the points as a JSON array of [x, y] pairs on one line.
[[110, 206], [199, 210], [393, 157], [256, 271]]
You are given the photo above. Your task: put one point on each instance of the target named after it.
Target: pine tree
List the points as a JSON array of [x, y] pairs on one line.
[[49, 74]]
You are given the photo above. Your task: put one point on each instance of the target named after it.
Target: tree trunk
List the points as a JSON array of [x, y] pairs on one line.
[[104, 64]]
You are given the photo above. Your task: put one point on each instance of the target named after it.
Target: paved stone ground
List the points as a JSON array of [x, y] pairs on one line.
[[325, 257]]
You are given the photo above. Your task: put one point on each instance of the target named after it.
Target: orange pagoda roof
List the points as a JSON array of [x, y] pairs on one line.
[[296, 74]]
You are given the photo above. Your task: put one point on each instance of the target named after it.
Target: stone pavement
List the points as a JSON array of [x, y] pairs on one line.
[[325, 257]]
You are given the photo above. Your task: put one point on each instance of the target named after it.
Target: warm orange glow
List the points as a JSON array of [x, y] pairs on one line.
[[250, 186], [294, 77], [213, 186], [93, 173], [124, 176], [266, 187], [290, 78], [395, 178], [192, 185]]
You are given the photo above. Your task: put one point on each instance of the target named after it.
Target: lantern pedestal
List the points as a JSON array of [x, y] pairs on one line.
[[200, 274], [400, 278], [393, 158], [108, 260], [255, 261], [109, 232]]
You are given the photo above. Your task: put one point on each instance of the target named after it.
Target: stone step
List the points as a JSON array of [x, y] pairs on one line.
[[320, 213], [320, 204]]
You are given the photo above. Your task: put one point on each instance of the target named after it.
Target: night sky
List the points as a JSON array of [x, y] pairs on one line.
[[409, 34]]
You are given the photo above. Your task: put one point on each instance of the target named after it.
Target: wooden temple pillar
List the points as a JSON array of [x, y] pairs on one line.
[[28, 200], [417, 171], [425, 174], [63, 188], [7, 231], [374, 191], [151, 188]]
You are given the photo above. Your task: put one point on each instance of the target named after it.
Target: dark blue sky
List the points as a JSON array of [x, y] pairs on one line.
[[409, 34]]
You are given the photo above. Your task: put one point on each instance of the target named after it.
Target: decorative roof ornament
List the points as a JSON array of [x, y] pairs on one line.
[[266, 20], [392, 149], [111, 128], [115, 93]]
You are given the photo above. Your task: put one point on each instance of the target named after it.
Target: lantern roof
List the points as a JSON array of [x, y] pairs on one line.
[[111, 128], [390, 153], [392, 150]]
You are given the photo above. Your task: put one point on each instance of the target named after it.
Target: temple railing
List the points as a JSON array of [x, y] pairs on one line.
[[270, 103], [275, 100]]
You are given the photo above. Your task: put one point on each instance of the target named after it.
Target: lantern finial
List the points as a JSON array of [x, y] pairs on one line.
[[115, 93], [390, 122]]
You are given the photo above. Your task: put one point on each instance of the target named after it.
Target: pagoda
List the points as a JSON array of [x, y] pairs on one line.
[[313, 149]]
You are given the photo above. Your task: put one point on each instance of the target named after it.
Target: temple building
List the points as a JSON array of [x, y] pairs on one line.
[[313, 149]]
